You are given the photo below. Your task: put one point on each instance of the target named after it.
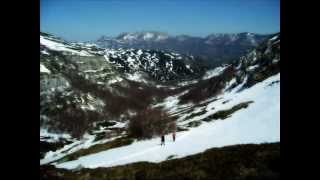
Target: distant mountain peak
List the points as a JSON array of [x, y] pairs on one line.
[[216, 47], [142, 36]]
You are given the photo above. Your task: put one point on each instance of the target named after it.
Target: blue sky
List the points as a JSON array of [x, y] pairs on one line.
[[84, 20]]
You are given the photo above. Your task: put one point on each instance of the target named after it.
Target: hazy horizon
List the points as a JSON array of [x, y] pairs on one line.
[[171, 35]]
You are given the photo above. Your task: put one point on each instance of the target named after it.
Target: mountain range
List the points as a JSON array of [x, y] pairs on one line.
[[215, 48]]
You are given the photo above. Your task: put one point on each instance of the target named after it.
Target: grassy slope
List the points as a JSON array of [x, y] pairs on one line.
[[97, 148], [232, 162]]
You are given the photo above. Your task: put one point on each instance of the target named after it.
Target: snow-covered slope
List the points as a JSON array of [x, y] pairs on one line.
[[55, 44], [244, 126]]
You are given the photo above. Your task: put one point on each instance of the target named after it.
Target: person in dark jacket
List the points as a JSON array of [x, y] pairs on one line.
[[162, 140], [174, 136]]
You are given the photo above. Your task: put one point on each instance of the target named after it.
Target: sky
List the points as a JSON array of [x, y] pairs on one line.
[[84, 20]]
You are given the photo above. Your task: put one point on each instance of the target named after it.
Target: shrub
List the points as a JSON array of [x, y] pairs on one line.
[[149, 123]]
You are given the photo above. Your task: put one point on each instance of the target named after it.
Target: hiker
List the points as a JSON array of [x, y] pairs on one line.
[[174, 136], [162, 140]]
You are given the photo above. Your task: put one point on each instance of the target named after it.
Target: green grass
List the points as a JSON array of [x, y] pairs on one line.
[[47, 146], [196, 114], [239, 162], [194, 124], [223, 114], [97, 148], [171, 156], [100, 136], [179, 129], [106, 123], [226, 101]]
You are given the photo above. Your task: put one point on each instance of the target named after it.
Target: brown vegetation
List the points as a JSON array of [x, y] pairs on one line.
[[149, 123], [251, 161], [208, 88]]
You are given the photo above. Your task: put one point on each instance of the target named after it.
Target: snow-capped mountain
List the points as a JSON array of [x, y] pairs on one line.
[[159, 65], [142, 36], [237, 103], [215, 48], [233, 38]]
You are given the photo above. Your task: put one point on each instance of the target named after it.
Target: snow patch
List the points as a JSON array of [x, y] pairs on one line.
[[137, 77], [215, 72], [114, 80], [139, 52], [56, 46], [44, 69], [251, 68], [45, 52], [47, 136], [93, 70], [274, 38], [148, 36]]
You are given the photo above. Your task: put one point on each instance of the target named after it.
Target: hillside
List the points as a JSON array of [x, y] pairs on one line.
[[89, 96], [84, 86]]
